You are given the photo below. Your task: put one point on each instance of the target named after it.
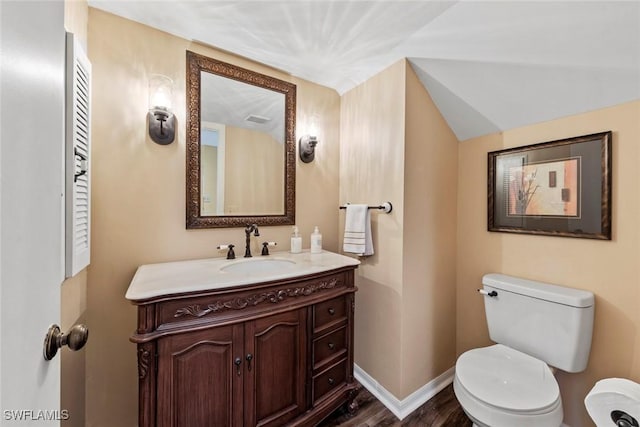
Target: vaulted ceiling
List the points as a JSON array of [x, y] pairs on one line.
[[489, 66]]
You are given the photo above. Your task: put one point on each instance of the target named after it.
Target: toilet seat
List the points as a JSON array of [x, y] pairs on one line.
[[499, 386]]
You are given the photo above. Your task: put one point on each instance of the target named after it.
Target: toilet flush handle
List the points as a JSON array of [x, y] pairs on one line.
[[487, 293]]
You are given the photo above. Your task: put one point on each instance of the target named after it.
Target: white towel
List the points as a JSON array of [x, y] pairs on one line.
[[357, 231]]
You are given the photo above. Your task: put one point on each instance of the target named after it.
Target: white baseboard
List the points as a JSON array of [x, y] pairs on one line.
[[402, 408]]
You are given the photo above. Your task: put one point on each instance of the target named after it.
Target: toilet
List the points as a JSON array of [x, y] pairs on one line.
[[537, 327]]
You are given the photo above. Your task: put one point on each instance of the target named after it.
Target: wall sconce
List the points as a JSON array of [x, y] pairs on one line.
[[161, 119], [307, 148]]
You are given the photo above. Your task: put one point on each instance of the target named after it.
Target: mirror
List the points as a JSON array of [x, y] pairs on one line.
[[240, 146]]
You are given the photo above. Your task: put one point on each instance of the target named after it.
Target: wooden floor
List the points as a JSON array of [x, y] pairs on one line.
[[442, 410]]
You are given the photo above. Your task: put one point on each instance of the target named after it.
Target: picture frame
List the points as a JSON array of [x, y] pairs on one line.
[[557, 188]]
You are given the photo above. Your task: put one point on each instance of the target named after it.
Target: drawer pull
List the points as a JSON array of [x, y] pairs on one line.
[[331, 381], [332, 346], [237, 362], [332, 311], [249, 359]]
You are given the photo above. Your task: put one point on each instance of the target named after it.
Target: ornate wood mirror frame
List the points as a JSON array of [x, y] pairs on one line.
[[196, 65]]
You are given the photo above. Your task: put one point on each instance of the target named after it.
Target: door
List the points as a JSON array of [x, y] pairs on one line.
[[275, 348], [31, 207], [200, 376]]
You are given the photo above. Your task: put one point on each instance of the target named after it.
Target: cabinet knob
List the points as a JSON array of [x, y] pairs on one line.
[[332, 311], [332, 381], [331, 346]]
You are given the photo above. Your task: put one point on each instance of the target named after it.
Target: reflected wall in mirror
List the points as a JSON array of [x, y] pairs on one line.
[[240, 146]]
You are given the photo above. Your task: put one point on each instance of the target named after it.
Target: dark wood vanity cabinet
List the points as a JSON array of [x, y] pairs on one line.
[[268, 354], [192, 364], [242, 369]]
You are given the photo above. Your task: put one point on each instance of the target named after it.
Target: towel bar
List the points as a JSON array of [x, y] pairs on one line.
[[386, 206]]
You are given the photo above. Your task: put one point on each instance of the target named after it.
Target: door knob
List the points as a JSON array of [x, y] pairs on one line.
[[75, 339]]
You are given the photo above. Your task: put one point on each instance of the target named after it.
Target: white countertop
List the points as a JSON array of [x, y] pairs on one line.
[[167, 278]]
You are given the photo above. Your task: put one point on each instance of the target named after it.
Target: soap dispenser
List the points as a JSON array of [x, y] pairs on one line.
[[316, 241], [296, 241]]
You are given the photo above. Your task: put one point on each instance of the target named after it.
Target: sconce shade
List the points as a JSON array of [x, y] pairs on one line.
[[307, 148], [161, 119], [160, 91]]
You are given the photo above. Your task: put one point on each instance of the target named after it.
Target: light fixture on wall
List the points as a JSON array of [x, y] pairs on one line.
[[161, 119], [307, 148]]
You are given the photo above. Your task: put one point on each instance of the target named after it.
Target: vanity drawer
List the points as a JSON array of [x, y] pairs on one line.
[[329, 380], [329, 346], [329, 312]]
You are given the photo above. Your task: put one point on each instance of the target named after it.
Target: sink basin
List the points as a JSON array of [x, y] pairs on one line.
[[259, 266]]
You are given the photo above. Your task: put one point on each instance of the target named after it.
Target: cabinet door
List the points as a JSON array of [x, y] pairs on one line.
[[275, 380], [199, 383]]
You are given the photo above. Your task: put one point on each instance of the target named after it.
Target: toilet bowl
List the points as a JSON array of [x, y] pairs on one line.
[[501, 387], [535, 325]]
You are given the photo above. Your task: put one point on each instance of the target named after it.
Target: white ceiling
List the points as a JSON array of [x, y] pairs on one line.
[[489, 66]]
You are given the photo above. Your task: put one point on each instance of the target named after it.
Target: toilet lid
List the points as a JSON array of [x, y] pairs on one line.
[[507, 379]]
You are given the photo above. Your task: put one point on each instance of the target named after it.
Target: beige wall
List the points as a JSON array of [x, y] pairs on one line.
[[76, 16], [139, 193], [610, 269], [429, 243], [397, 147], [73, 294], [371, 165]]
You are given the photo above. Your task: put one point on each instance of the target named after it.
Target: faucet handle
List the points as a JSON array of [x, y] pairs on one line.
[[230, 254], [265, 247]]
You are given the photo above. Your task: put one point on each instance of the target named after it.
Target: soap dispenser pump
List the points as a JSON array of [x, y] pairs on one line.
[[296, 241], [316, 241]]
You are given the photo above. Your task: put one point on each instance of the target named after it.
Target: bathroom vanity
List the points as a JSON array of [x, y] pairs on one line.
[[264, 341]]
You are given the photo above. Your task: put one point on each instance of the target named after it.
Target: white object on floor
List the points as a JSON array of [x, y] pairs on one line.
[[611, 395]]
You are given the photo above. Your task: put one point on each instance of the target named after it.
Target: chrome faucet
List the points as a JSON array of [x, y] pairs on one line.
[[250, 228]]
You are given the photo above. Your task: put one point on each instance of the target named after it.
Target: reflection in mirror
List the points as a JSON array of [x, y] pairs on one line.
[[240, 148]]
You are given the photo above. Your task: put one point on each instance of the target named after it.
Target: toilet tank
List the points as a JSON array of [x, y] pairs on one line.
[[549, 322]]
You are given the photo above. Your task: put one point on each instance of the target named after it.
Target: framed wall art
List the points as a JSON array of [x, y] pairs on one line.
[[557, 188]]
